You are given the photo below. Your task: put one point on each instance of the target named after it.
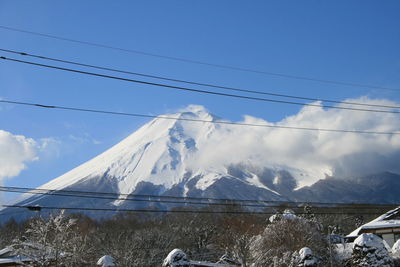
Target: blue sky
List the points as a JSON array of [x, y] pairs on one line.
[[349, 41]]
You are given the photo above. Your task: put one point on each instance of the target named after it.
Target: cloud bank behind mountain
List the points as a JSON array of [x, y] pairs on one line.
[[311, 155]]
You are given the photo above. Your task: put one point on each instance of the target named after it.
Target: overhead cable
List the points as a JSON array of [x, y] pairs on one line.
[[183, 199], [199, 211], [136, 199], [194, 90], [276, 74], [194, 83], [194, 120]]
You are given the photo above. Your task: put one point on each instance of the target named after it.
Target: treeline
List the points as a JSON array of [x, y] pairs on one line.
[[144, 239]]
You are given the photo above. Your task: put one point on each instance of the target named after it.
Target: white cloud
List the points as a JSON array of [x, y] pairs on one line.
[[311, 155], [49, 147], [15, 152], [84, 138]]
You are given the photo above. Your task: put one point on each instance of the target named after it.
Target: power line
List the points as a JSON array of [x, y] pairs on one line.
[[193, 90], [186, 211], [192, 82], [192, 120], [136, 200], [185, 200], [283, 75]]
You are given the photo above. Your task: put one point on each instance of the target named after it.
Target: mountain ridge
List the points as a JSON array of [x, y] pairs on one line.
[[161, 158]]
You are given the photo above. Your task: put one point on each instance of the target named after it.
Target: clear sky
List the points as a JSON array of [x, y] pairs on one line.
[[345, 40]]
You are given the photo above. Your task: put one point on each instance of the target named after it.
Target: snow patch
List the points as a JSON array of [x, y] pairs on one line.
[[369, 240], [254, 180], [176, 258], [396, 249], [207, 180], [106, 261], [287, 214]]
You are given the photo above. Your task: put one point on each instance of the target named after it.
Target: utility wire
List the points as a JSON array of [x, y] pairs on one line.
[[193, 120], [194, 90], [283, 75], [192, 82], [137, 200], [185, 211], [183, 200]]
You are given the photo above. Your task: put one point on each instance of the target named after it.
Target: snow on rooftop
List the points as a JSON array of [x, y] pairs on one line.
[[8, 257], [382, 224], [13, 260], [355, 232], [383, 221], [5, 251]]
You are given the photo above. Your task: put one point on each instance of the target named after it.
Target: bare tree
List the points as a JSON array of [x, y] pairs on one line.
[[51, 242], [282, 238], [8, 232]]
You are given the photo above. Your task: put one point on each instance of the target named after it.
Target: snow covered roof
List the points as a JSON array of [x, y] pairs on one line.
[[13, 260], [382, 224], [390, 219], [5, 251]]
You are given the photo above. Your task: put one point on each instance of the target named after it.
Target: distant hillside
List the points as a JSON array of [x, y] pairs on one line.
[[377, 188]]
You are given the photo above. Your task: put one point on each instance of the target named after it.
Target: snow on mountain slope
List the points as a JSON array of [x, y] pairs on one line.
[[162, 157], [198, 159], [156, 153]]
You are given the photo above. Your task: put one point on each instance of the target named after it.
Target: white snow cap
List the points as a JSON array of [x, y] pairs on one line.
[[106, 261], [195, 109]]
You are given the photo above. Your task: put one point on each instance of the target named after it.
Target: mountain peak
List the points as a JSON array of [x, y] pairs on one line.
[[194, 109], [198, 112], [176, 155]]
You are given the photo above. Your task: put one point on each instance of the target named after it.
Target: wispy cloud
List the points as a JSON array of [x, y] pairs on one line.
[[310, 155], [85, 138], [50, 147]]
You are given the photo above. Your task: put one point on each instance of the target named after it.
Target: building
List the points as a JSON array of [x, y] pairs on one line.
[[8, 258], [386, 226]]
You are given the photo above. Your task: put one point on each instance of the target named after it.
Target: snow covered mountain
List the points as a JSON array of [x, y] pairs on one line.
[[158, 159], [173, 158]]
